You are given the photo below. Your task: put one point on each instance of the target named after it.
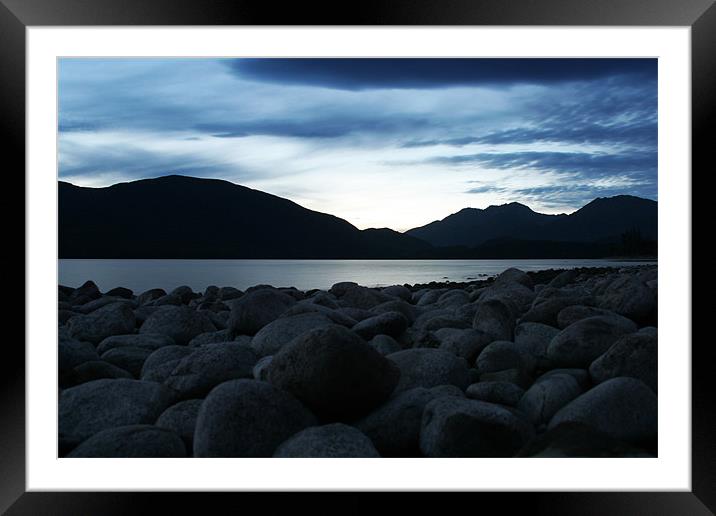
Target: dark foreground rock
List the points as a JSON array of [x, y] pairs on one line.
[[549, 363]]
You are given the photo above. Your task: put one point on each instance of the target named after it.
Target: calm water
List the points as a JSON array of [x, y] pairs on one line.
[[141, 275]]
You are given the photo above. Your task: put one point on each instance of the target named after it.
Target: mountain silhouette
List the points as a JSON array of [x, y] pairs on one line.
[[186, 217], [603, 220]]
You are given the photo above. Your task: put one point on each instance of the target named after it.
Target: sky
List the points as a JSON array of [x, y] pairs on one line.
[[380, 142]]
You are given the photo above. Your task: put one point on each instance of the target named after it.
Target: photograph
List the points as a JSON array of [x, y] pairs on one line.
[[357, 257]]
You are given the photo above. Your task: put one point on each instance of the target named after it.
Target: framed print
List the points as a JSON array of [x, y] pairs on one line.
[[200, 248]]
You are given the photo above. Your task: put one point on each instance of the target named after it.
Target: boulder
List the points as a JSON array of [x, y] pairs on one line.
[[132, 441], [72, 352], [181, 419], [229, 293], [399, 291], [460, 427], [150, 295], [500, 355], [87, 292], [429, 368], [465, 343], [384, 344], [256, 309], [564, 278], [339, 289], [582, 342], [260, 370], [334, 372], [95, 304], [394, 427], [631, 298], [210, 337], [112, 319], [623, 408], [572, 314], [120, 292], [196, 374], [184, 293], [409, 311], [502, 393], [272, 337], [535, 339], [96, 370], [129, 358], [577, 440], [181, 323], [148, 341], [495, 318], [632, 355], [155, 366], [546, 396], [513, 275], [363, 297], [334, 440], [388, 323], [246, 418], [94, 406], [545, 311]]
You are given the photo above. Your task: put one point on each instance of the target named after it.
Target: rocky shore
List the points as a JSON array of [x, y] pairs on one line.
[[546, 364]]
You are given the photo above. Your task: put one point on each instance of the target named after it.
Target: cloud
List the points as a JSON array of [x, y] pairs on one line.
[[369, 73]]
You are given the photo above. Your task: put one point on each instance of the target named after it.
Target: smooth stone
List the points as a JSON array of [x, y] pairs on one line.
[[388, 323], [563, 278], [208, 366], [334, 440], [571, 314], [132, 441], [275, 335], [632, 355], [514, 275], [461, 427], [429, 368], [545, 311], [94, 406], [503, 393], [500, 355], [631, 298], [184, 293], [515, 296], [466, 343], [580, 375], [256, 309], [112, 319], [72, 352], [548, 395], [247, 418], [96, 304], [582, 342], [577, 440], [334, 372], [229, 293], [120, 292], [181, 323], [154, 368], [97, 370], [517, 376], [210, 337], [399, 291], [394, 427], [339, 289], [146, 341], [260, 370], [128, 358], [409, 311], [363, 297], [384, 344], [623, 408], [150, 295], [535, 338], [495, 318], [181, 419], [84, 293]]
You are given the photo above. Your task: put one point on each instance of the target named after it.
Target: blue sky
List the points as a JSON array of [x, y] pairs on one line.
[[379, 142]]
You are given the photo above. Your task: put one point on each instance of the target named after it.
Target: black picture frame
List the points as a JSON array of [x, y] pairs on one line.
[[17, 15]]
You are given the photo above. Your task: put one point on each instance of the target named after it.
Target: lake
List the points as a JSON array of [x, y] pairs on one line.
[[141, 275]]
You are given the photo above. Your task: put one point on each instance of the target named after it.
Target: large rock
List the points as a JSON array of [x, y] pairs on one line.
[[184, 293], [128, 358], [99, 303], [394, 427], [495, 318], [535, 338], [399, 291], [623, 408], [210, 337], [500, 355], [460, 427], [577, 440], [465, 343], [514, 295], [96, 370], [132, 441], [72, 352], [162, 362], [363, 297], [545, 311], [272, 337], [514, 275], [120, 292], [145, 341], [384, 344], [547, 395], [181, 323], [429, 368], [503, 393], [631, 298], [196, 374], [112, 319], [334, 372], [256, 309], [388, 323], [150, 295], [571, 314], [95, 406], [409, 311], [247, 418], [181, 419], [632, 355], [582, 342], [85, 293], [334, 440]]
